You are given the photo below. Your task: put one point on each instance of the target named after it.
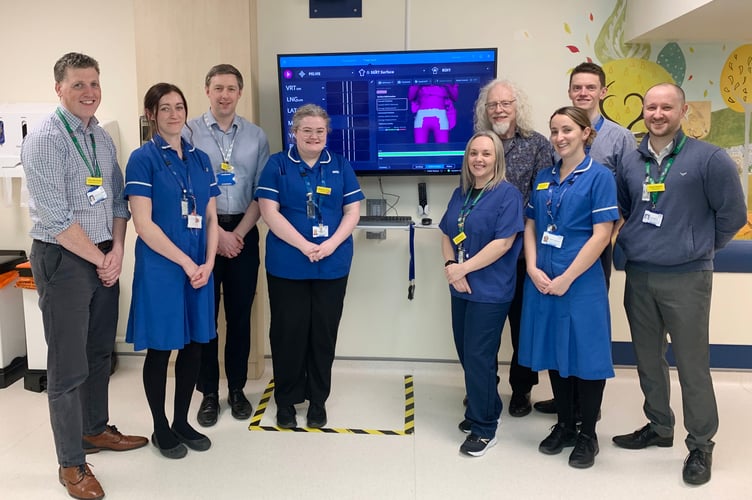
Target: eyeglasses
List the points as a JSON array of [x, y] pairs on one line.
[[309, 132], [500, 104]]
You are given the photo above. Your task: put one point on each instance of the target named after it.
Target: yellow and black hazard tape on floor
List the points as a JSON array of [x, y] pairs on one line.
[[409, 416]]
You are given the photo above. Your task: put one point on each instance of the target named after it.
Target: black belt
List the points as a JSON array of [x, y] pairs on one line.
[[229, 219], [104, 246]]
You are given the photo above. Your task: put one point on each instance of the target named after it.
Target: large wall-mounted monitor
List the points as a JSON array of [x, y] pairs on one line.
[[393, 113]]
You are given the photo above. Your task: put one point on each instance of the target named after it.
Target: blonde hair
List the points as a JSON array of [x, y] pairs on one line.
[[467, 180]]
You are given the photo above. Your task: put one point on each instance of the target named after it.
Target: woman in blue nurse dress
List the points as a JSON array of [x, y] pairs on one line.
[[171, 188], [566, 324]]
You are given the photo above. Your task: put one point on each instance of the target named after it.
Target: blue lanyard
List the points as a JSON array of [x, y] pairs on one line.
[[187, 188], [312, 196], [597, 128], [553, 209]]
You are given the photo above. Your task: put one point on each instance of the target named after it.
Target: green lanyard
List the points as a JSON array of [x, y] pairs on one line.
[[649, 178], [465, 210], [94, 172]]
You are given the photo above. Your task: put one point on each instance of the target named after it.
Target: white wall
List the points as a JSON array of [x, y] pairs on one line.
[[36, 34], [378, 321], [644, 16]]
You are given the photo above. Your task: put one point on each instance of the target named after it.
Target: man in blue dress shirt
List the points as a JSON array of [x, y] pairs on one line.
[[238, 151]]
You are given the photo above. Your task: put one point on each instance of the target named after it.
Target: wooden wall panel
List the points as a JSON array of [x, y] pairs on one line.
[[177, 41]]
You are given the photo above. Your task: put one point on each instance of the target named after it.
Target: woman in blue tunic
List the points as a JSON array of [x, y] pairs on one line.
[[310, 199], [480, 245], [171, 188], [566, 324]]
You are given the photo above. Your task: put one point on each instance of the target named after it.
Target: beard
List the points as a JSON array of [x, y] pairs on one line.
[[501, 128]]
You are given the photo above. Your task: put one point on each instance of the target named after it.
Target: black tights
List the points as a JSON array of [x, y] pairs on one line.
[[155, 381], [589, 394]]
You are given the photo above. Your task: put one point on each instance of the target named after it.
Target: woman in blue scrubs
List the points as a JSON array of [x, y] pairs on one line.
[[310, 199], [171, 188], [566, 324], [480, 245]]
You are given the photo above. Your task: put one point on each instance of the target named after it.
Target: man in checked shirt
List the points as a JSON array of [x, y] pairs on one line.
[[79, 219]]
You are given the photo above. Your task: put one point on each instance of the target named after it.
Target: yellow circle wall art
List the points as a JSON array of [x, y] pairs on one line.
[[628, 80], [736, 79]]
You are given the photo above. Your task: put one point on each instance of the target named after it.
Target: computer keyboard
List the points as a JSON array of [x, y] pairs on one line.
[[385, 220]]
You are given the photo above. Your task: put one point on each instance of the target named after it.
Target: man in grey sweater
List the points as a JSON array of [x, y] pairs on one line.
[[681, 200]]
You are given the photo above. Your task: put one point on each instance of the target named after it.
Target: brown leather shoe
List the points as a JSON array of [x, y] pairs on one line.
[[112, 439], [80, 482]]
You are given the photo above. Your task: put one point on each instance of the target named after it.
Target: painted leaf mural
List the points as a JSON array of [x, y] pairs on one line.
[[672, 59], [610, 45]]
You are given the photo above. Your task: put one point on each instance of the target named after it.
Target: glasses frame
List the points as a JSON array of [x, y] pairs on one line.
[[493, 105]]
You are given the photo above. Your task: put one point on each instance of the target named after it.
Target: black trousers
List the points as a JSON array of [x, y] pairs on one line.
[[305, 318], [236, 278], [521, 378]]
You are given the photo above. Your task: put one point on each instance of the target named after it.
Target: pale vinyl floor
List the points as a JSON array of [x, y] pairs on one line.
[[425, 465]]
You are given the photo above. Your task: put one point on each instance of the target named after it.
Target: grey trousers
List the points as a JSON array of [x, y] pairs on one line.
[[675, 304], [80, 319]]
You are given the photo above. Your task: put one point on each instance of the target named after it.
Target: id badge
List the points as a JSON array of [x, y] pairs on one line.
[[194, 221], [96, 194], [93, 181], [645, 194], [652, 218], [459, 238], [320, 231], [552, 240], [184, 207], [226, 179]]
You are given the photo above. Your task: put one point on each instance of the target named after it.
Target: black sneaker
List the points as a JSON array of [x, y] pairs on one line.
[[208, 412], [697, 467], [286, 417], [316, 416], [465, 426], [476, 446], [585, 450], [560, 438]]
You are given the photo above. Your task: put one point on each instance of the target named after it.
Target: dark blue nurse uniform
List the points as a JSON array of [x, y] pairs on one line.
[[166, 311], [569, 333]]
